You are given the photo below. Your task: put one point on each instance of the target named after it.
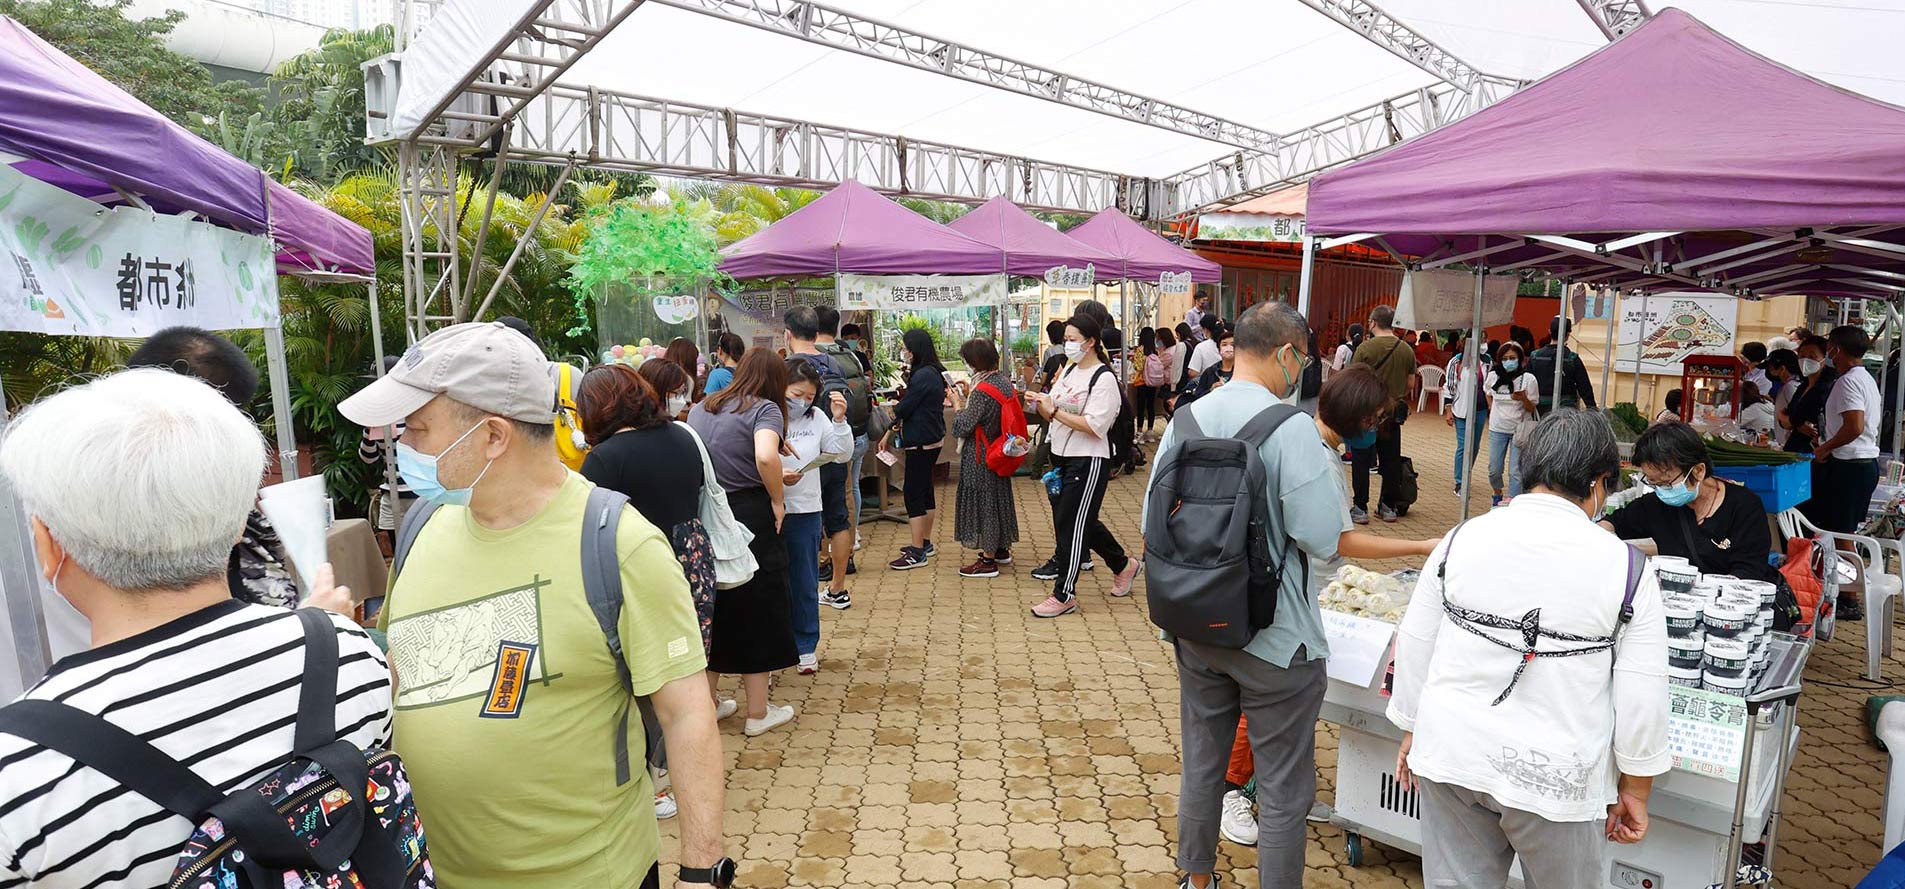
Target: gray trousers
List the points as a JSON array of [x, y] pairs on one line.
[[1469, 839], [1216, 684]]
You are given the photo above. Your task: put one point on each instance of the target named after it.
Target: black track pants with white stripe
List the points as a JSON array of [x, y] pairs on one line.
[[1078, 528]]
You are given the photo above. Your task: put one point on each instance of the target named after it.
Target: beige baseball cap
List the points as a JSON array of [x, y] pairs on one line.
[[484, 365]]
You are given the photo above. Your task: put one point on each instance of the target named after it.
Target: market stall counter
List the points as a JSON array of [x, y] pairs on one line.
[[1702, 814]]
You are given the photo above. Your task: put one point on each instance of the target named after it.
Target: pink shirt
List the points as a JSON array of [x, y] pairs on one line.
[[1074, 394]]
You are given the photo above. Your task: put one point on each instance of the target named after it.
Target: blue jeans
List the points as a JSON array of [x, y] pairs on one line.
[[1501, 449], [1462, 448], [800, 534]]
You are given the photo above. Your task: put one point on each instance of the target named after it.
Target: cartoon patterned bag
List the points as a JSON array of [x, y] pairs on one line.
[[303, 826]]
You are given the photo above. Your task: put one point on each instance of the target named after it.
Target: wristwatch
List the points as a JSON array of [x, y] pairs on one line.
[[719, 874]]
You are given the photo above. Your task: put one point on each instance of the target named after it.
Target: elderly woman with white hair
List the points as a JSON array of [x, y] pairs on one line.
[[138, 484], [1531, 678]]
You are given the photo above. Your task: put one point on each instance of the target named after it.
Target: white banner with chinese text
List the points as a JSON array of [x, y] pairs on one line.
[[908, 292], [71, 267], [1442, 299]]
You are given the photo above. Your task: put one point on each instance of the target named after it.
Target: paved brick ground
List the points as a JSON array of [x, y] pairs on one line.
[[953, 740]]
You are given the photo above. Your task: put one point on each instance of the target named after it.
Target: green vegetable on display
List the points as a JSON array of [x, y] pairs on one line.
[[1731, 453]]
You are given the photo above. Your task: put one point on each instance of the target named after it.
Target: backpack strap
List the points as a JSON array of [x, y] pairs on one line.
[[1258, 429], [111, 751], [602, 585], [1636, 567], [407, 532], [317, 693]]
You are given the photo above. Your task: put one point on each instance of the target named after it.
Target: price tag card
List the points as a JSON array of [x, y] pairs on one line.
[[1359, 647], [1705, 731]]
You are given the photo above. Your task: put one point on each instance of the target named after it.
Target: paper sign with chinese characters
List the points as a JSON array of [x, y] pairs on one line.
[[907, 292], [71, 267], [1705, 731]]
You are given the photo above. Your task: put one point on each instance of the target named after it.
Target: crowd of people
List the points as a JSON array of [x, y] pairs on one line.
[[584, 554]]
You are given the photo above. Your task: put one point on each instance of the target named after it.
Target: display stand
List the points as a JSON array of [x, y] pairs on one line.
[[1702, 813]]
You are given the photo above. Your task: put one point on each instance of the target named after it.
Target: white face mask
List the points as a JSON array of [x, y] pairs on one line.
[[798, 406], [1808, 366], [677, 404], [1073, 349]]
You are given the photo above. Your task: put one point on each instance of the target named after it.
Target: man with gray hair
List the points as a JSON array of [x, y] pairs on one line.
[[1531, 678], [1277, 680], [137, 484], [503, 671]]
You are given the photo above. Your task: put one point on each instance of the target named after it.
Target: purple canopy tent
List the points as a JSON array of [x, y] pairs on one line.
[[856, 229], [1141, 254], [1673, 158], [84, 134], [1031, 247]]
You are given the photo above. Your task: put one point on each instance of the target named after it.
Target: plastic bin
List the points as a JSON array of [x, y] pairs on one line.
[[1780, 487]]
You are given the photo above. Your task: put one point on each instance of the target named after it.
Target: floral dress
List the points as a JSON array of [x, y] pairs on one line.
[[696, 554], [986, 517]]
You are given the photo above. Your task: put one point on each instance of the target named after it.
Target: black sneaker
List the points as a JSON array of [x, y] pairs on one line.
[[826, 569], [929, 550], [909, 559], [1049, 570], [1850, 608], [1187, 884], [840, 601]]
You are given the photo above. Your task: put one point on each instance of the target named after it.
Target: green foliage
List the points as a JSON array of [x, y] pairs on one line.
[[943, 340], [320, 103], [630, 240], [1026, 344]]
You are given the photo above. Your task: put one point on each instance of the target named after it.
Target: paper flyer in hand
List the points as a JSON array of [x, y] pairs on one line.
[[298, 511]]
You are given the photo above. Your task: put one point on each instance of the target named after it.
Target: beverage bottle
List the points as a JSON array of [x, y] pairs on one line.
[[1052, 482]]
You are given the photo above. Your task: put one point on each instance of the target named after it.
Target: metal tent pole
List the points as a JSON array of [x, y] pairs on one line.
[[279, 372], [377, 369], [1610, 298], [1303, 279], [1640, 333], [1472, 363], [20, 582], [1561, 347], [1898, 379]]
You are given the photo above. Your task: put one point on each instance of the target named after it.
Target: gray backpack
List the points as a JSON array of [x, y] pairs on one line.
[[1208, 570], [601, 583]]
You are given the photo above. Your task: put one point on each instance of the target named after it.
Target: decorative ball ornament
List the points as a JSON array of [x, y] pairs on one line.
[[616, 351]]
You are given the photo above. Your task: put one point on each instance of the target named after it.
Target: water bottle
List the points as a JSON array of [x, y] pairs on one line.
[[1053, 482]]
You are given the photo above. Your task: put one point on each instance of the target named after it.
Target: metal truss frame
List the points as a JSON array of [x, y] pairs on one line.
[[426, 196], [1616, 17], [842, 30], [1386, 31], [1301, 155]]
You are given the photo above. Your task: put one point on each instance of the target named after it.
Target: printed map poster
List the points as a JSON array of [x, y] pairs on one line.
[[71, 267], [1668, 327]]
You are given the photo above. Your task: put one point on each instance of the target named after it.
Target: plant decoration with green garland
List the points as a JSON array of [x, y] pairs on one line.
[[630, 240]]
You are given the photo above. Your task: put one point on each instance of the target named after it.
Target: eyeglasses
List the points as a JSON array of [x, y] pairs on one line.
[[1653, 483]]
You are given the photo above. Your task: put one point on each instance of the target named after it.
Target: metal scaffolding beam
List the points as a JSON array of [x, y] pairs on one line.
[[620, 131], [1305, 153], [1404, 42], [842, 30], [1616, 17]]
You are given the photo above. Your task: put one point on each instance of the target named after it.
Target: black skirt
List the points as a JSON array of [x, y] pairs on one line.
[[753, 629]]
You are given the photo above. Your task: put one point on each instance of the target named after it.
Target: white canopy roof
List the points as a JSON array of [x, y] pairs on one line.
[[1276, 65]]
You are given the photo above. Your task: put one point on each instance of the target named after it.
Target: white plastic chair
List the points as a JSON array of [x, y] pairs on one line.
[[1431, 382], [1881, 586]]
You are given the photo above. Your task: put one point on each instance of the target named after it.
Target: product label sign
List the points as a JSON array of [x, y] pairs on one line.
[[1071, 278], [72, 267], [1706, 731], [907, 292], [1359, 647]]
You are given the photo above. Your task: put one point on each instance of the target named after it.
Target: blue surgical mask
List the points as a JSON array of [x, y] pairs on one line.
[[1511, 364], [1680, 493], [419, 471], [1362, 441]]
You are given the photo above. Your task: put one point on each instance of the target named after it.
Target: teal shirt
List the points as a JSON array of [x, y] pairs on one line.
[[718, 379], [1309, 511]]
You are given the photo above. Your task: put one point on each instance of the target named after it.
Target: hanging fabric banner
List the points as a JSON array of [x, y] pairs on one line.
[[71, 267], [1443, 299], [920, 291]]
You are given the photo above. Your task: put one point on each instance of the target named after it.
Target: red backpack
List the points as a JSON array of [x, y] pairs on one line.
[[1011, 422]]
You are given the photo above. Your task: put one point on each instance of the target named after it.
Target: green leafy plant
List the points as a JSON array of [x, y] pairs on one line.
[[628, 240]]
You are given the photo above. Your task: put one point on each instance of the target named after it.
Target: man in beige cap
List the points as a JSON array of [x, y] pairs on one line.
[[508, 698]]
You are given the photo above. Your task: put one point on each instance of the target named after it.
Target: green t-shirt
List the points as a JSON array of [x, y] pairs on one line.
[[508, 699]]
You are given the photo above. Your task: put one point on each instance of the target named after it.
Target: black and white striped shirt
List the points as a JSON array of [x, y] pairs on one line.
[[218, 691]]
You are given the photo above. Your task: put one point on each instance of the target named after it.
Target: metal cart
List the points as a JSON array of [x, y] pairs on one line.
[[1699, 822]]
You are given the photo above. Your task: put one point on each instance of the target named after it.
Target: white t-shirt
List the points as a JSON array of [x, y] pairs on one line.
[[1204, 356], [1855, 391], [1504, 412], [1758, 418], [1174, 358], [1074, 393], [1758, 377], [1555, 745], [216, 690], [1343, 354], [814, 435], [1464, 387]]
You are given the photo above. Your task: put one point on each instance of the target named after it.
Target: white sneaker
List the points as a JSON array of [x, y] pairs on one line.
[[665, 806], [726, 708], [1239, 824], [809, 664], [856, 541], [777, 716]]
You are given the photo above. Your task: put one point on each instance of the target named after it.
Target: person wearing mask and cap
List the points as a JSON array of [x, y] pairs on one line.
[[572, 446], [495, 573]]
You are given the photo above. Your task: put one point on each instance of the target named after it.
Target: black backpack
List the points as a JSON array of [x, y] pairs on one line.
[[841, 372], [333, 814], [1209, 573], [1405, 485]]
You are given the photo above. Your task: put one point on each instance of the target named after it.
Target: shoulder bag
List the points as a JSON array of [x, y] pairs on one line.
[[734, 562]]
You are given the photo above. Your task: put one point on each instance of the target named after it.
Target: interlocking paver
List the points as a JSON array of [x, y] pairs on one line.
[[953, 741]]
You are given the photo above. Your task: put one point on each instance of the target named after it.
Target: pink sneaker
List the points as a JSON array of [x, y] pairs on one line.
[[1121, 584], [1051, 607]]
